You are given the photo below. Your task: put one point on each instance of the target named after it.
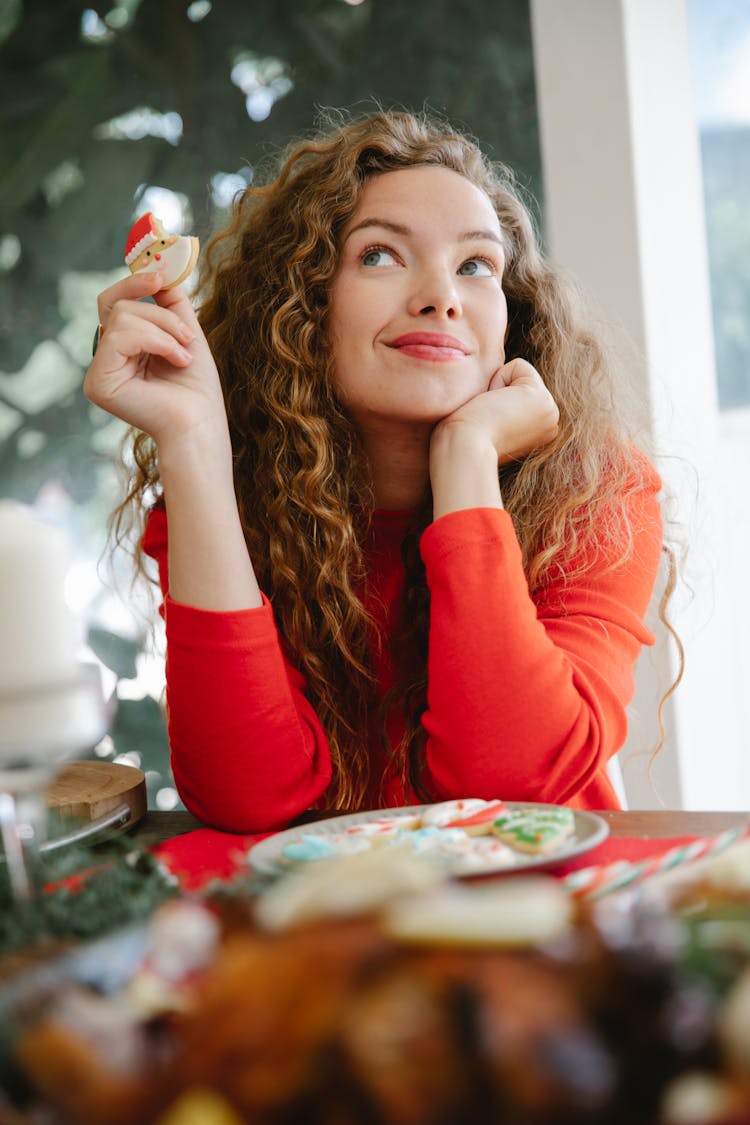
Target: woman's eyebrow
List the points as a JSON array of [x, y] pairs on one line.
[[399, 228], [472, 235]]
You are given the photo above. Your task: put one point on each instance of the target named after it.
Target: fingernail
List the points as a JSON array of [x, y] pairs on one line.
[[183, 353], [185, 334], [158, 279]]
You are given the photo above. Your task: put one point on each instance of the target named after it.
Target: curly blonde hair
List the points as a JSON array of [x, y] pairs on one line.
[[301, 478]]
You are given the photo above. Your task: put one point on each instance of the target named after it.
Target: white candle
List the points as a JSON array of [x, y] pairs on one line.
[[38, 632]]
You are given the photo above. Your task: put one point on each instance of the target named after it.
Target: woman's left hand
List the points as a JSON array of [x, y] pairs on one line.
[[517, 414]]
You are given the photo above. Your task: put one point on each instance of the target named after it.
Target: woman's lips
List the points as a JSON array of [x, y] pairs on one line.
[[429, 345]]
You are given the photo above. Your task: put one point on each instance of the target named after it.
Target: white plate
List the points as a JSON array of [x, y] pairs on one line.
[[589, 830]]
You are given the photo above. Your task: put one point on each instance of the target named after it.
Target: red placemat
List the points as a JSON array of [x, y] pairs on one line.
[[199, 857], [206, 854]]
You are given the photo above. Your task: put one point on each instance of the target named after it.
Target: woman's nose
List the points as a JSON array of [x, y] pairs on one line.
[[435, 294]]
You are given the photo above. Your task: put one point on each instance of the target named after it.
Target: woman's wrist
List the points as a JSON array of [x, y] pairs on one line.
[[463, 470], [203, 452]]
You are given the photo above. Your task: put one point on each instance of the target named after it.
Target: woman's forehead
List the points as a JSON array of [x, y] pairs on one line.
[[424, 191]]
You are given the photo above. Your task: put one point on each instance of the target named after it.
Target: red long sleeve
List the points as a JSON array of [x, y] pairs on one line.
[[248, 752], [528, 700], [525, 700]]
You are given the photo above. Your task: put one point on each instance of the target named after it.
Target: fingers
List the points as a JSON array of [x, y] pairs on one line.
[[130, 288], [528, 417], [177, 300], [142, 284], [152, 367], [127, 312], [516, 371], [134, 329]]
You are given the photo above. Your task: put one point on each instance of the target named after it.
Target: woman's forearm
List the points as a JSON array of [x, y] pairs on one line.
[[209, 566], [463, 471]]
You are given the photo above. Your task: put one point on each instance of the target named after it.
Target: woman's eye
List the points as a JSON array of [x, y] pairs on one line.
[[378, 256], [476, 267]]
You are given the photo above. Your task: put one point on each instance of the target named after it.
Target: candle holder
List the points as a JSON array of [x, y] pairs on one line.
[[41, 727]]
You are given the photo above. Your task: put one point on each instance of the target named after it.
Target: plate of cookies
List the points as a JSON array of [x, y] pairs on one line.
[[465, 837]]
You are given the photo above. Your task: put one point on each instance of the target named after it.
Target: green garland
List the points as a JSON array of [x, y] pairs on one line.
[[89, 892]]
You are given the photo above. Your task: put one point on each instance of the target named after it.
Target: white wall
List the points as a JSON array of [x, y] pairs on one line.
[[624, 213]]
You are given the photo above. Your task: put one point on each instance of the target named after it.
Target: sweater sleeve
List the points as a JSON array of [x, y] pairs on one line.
[[248, 751], [527, 699]]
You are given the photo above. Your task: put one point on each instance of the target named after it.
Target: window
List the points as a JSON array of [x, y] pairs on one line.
[[720, 56]]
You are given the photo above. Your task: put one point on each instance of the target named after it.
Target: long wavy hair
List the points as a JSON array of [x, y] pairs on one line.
[[301, 477]]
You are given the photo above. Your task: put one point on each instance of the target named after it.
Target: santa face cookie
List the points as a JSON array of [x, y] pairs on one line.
[[150, 249]]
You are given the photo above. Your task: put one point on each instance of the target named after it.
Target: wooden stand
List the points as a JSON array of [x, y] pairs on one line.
[[87, 791]]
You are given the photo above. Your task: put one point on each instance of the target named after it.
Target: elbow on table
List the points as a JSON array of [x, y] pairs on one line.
[[248, 783], [556, 773], [248, 808]]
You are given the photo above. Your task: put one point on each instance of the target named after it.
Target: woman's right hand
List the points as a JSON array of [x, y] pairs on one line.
[[153, 367]]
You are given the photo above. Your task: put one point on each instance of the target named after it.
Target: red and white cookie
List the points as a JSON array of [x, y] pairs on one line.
[[384, 828], [150, 249], [472, 814]]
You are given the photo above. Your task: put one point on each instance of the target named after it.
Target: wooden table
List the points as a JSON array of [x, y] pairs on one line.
[[158, 826]]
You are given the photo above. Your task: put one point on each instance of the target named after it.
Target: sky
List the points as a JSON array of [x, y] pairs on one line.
[[720, 58]]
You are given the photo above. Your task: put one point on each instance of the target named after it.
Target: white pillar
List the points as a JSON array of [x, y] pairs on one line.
[[624, 214]]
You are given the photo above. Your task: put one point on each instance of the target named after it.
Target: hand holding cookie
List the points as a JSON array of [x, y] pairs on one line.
[[152, 366]]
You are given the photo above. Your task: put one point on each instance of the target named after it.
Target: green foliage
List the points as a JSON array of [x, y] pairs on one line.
[[138, 728], [115, 652], [469, 60], [88, 99], [89, 892]]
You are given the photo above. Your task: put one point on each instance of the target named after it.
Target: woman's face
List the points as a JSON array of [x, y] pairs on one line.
[[417, 310]]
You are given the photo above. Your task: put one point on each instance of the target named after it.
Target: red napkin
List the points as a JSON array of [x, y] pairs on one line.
[[206, 854]]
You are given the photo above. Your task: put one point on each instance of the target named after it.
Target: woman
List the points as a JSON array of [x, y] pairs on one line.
[[405, 544]]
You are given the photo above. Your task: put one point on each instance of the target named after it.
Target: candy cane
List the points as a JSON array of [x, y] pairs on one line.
[[595, 882]]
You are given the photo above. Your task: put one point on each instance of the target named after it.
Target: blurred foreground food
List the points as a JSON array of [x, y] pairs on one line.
[[405, 1011]]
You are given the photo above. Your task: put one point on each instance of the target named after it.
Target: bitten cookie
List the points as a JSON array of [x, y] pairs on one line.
[[472, 814], [149, 248]]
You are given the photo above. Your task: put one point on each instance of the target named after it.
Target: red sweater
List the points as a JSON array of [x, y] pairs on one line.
[[526, 697]]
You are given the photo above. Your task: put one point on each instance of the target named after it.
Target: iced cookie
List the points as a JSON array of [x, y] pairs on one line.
[[429, 838], [472, 814], [384, 828], [520, 912], [486, 854], [311, 846], [468, 855], [150, 249], [539, 831]]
